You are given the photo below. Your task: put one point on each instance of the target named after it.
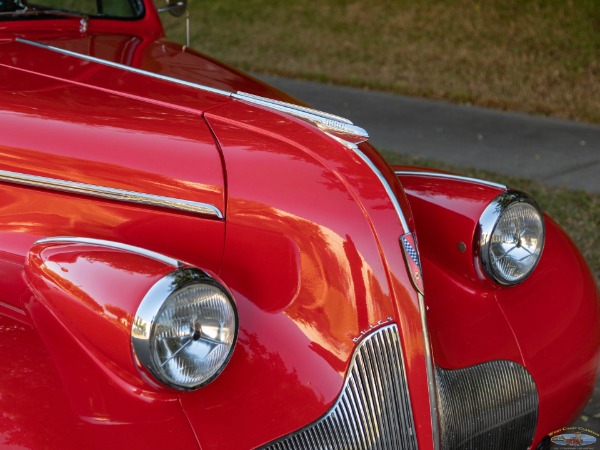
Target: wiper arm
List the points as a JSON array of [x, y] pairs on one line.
[[30, 10]]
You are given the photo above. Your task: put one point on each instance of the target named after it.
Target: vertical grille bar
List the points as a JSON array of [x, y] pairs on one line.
[[373, 411]]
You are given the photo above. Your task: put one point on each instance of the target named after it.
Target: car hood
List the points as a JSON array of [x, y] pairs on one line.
[[160, 57], [104, 127], [115, 107], [311, 251]]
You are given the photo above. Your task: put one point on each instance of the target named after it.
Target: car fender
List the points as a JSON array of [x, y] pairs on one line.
[[473, 320]]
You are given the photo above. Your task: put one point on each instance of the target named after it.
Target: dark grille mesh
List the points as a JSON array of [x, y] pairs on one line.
[[487, 407]]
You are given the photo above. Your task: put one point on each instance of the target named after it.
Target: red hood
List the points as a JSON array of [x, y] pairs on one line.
[[117, 108], [301, 309], [165, 58], [105, 126]]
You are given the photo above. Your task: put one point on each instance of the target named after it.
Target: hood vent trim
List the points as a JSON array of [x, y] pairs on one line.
[[329, 123]]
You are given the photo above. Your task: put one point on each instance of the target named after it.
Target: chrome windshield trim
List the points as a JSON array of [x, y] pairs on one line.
[[125, 67], [449, 177], [121, 195], [322, 120], [111, 244]]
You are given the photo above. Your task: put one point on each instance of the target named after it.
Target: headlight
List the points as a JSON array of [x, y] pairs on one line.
[[511, 237], [185, 329]]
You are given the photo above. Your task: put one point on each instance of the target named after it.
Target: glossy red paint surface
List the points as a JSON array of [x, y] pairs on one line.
[[37, 412], [327, 279], [460, 299], [166, 58], [70, 382], [30, 214], [308, 246], [556, 325], [82, 136], [546, 324], [69, 280]]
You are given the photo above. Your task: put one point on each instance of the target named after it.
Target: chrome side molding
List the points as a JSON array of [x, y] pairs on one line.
[[448, 176], [111, 244], [388, 189], [92, 190]]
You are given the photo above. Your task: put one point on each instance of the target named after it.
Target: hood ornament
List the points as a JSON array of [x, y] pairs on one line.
[[83, 24]]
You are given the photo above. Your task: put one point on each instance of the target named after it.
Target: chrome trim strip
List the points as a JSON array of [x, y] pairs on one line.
[[386, 185], [111, 244], [92, 190], [450, 177], [422, 308], [431, 379], [271, 102], [321, 119], [13, 309], [124, 67]]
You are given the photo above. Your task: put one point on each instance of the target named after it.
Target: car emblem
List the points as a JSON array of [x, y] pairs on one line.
[[411, 255]]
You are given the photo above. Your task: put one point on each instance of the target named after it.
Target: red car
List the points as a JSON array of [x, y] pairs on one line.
[[192, 259]]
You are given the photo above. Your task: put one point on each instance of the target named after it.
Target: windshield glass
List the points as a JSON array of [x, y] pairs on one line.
[[122, 9]]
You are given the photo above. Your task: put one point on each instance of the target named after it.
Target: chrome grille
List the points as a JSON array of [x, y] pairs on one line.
[[489, 406], [373, 410]]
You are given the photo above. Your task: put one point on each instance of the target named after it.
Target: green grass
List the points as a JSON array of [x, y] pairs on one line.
[[578, 212], [537, 56]]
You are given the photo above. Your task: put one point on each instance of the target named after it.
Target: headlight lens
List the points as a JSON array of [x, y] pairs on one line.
[[511, 237], [185, 329]]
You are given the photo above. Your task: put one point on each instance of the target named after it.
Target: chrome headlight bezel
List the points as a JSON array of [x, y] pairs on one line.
[[156, 301], [488, 223]]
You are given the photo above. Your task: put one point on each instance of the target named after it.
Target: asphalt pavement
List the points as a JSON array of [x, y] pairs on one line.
[[555, 152]]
